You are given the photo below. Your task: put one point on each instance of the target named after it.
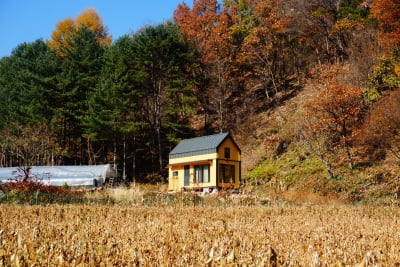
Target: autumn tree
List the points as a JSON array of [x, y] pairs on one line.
[[320, 16], [62, 35], [94, 22], [207, 26], [325, 28], [356, 39], [388, 13], [266, 49], [242, 13], [385, 76], [65, 29], [333, 116], [381, 129]]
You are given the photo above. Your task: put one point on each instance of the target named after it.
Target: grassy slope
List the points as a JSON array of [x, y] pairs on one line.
[[293, 172]]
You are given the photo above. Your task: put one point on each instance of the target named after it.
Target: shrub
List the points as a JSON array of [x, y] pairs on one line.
[[36, 192]]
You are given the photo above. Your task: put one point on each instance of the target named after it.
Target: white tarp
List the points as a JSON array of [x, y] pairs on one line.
[[87, 175]]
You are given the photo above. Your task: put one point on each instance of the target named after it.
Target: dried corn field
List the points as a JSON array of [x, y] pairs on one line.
[[105, 235]]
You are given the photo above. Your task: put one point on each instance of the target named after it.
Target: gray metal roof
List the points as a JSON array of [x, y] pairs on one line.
[[198, 145]]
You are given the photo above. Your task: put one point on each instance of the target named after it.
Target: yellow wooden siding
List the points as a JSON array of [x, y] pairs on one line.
[[176, 165], [234, 152], [176, 182], [234, 159], [187, 160]]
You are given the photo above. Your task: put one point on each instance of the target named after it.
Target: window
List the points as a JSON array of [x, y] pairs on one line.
[[175, 173], [202, 173], [227, 152], [226, 173]]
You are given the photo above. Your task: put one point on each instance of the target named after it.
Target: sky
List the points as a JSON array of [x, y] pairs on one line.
[[28, 20]]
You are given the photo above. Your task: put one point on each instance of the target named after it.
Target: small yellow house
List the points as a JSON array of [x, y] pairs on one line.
[[211, 161]]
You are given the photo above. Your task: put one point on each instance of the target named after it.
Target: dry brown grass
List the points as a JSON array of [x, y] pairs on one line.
[[104, 235]]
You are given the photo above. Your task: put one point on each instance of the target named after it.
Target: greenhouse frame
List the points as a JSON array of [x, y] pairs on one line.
[[83, 175]]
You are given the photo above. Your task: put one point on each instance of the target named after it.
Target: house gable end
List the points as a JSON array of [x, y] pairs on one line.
[[232, 140]]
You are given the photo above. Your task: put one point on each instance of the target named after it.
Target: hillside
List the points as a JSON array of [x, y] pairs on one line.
[[278, 163], [310, 89]]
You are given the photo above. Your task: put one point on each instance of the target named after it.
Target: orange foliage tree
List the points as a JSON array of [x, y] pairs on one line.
[[207, 26], [61, 36], [388, 14], [333, 117], [263, 49], [240, 49], [381, 130]]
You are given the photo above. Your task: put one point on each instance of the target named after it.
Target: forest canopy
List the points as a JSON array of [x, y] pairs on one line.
[[81, 98]]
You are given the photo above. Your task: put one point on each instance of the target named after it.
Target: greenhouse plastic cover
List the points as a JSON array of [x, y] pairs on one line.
[[87, 175]]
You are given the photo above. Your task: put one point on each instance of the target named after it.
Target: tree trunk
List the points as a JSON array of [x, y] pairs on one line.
[[328, 166], [157, 118], [115, 155], [349, 157], [124, 161], [134, 160]]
